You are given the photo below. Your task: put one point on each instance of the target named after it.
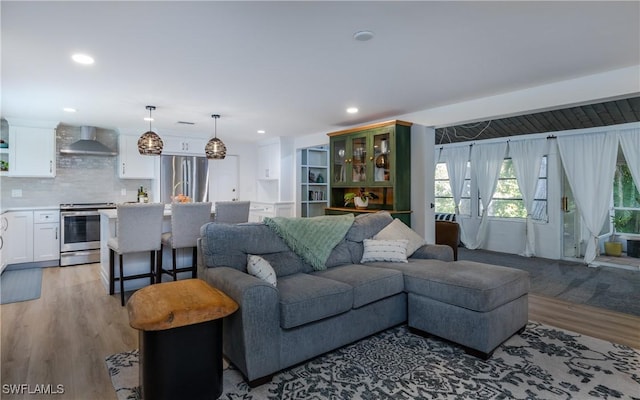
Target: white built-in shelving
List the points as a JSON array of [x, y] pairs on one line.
[[314, 189]]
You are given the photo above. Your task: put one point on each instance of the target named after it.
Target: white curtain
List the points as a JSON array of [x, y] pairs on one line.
[[630, 143], [486, 161], [589, 162], [526, 156], [457, 159]]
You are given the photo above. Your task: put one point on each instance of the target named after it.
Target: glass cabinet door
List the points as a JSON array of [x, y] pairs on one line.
[[339, 162], [359, 159], [381, 158]]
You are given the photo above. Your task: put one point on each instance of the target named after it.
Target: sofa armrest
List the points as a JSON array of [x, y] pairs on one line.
[[434, 251], [252, 334]]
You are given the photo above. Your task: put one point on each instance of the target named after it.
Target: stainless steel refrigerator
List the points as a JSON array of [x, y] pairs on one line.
[[184, 175]]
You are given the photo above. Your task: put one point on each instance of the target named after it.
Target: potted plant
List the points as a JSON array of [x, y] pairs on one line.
[[613, 246], [360, 199]]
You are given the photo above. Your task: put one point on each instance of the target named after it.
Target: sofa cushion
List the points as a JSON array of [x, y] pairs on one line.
[[369, 283], [286, 263], [365, 226], [398, 230], [306, 298], [341, 254], [226, 245], [471, 285]]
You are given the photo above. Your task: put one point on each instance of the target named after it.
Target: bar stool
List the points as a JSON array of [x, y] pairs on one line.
[[186, 220], [139, 229], [232, 212]]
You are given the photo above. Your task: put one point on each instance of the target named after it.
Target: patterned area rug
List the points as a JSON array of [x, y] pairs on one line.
[[542, 363]]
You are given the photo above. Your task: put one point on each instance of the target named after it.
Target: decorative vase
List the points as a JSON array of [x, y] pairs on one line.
[[361, 204], [613, 248]]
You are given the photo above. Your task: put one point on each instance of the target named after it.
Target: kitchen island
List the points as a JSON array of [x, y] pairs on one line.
[[136, 263]]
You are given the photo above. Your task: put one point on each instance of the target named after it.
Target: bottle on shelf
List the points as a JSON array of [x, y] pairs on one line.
[[142, 195]]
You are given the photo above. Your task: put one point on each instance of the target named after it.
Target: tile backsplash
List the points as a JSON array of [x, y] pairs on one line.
[[79, 178]]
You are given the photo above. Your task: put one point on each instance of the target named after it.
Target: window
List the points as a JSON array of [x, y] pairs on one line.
[[626, 201], [443, 195], [507, 200]]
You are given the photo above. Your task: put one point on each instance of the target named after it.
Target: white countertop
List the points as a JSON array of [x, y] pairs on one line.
[[40, 208], [112, 213]]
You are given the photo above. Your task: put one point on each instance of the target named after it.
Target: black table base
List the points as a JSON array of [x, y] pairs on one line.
[[182, 363]]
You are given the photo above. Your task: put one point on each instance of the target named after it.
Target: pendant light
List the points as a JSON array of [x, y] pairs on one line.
[[150, 143], [215, 149]]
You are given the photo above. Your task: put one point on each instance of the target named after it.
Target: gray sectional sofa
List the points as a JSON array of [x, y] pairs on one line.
[[310, 312]]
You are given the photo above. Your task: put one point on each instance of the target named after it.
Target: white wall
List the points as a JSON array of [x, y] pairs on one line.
[[624, 82], [422, 172]]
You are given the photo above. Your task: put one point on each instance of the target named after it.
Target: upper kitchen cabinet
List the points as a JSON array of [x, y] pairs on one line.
[[32, 149], [269, 160], [133, 165], [275, 170], [183, 146]]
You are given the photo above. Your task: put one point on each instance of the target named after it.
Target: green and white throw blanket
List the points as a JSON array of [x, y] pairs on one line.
[[314, 238]]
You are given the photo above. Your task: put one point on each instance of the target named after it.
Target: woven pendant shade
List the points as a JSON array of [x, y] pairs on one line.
[[215, 149], [150, 143]]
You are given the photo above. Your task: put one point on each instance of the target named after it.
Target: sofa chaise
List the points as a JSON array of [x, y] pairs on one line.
[[306, 310]]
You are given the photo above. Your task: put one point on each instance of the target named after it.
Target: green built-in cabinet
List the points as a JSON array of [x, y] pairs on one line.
[[374, 157]]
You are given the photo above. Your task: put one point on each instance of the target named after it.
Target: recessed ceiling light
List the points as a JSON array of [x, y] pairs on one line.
[[352, 110], [82, 59], [262, 131], [363, 36], [69, 109]]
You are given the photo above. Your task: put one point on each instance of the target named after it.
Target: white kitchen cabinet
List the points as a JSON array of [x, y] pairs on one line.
[[259, 210], [269, 161], [183, 146], [133, 165], [30, 236], [46, 235], [18, 236], [3, 235], [275, 175], [32, 152]]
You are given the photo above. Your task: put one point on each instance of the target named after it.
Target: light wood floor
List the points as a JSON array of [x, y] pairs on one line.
[[65, 335]]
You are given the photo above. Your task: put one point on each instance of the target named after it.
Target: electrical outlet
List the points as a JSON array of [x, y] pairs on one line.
[[16, 192], [123, 192]]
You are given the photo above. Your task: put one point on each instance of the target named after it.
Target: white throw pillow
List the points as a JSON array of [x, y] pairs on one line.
[[260, 268], [385, 250], [398, 230]]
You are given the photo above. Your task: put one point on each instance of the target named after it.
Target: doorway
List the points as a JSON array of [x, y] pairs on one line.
[[224, 179]]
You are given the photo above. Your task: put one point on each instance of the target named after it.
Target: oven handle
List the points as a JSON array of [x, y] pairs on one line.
[[77, 213]]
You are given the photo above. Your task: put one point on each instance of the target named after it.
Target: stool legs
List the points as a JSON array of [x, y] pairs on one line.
[[121, 280], [194, 258], [112, 278], [154, 270], [173, 272]]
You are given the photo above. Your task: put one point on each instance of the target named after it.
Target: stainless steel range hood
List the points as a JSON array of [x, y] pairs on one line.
[[88, 145]]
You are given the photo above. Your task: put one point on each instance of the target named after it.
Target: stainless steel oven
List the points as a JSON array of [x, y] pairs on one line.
[[80, 233]]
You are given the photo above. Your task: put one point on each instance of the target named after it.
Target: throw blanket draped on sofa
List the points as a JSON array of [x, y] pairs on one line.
[[312, 238]]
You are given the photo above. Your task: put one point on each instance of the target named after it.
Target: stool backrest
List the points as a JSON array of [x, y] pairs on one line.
[[139, 227], [186, 220], [232, 212]]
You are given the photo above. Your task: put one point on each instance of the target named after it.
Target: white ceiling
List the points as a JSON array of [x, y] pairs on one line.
[[292, 68]]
